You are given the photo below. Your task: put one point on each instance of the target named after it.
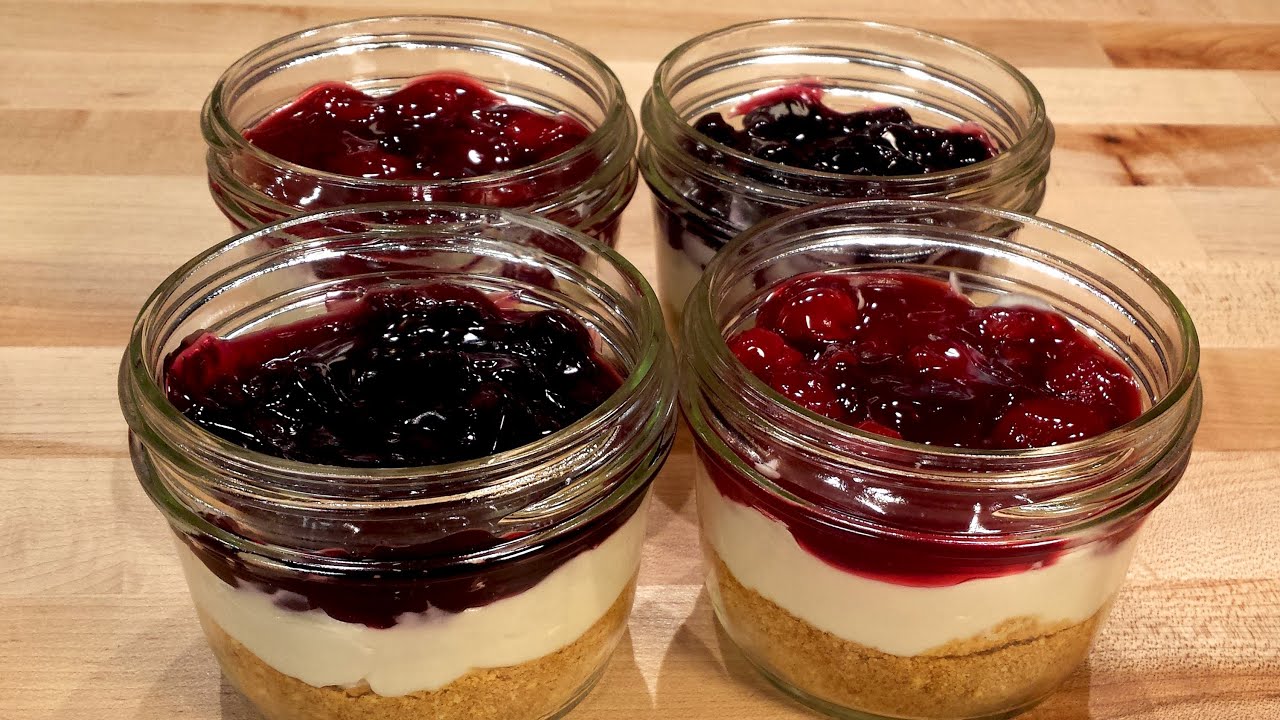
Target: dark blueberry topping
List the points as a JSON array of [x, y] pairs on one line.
[[404, 376], [792, 126]]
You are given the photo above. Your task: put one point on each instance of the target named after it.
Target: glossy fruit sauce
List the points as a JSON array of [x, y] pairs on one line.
[[394, 377], [906, 356], [793, 126], [442, 126]]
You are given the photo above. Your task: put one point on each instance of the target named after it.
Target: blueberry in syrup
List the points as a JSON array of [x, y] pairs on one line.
[[399, 376], [906, 356], [793, 126], [442, 126]]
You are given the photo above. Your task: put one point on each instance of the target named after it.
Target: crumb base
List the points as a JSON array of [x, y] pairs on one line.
[[536, 690], [997, 674]]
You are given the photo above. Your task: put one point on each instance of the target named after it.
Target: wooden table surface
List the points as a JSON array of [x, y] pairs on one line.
[[1168, 116]]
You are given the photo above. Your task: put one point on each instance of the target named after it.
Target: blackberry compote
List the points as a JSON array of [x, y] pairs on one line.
[[417, 493]]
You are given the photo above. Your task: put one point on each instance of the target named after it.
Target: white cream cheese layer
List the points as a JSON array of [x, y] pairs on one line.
[[425, 651], [897, 619]]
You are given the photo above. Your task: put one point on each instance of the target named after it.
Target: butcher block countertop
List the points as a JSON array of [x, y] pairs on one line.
[[1168, 118]]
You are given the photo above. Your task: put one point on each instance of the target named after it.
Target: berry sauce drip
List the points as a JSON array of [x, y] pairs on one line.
[[382, 601], [792, 126], [405, 376], [908, 357], [442, 126]]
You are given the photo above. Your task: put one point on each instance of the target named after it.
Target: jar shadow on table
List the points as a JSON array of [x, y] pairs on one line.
[[699, 675], [168, 695], [234, 705], [673, 487], [702, 673]]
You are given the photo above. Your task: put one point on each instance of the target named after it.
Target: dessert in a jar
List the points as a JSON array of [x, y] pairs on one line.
[[753, 120], [919, 486], [415, 494], [421, 108]]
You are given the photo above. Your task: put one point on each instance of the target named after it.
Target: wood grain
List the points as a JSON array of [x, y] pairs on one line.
[[1170, 155], [1168, 147], [1191, 45]]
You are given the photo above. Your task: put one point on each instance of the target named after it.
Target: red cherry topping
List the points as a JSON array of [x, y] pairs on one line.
[[907, 356], [443, 96], [809, 314], [872, 426], [807, 389], [1040, 422], [1096, 380], [763, 351], [438, 127]]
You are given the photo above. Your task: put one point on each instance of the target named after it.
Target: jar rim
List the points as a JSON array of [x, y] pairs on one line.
[[139, 383], [219, 132], [700, 323], [1022, 152]]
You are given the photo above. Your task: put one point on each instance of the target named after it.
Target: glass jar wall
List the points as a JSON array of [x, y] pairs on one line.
[[584, 187], [872, 576], [706, 192], [490, 587]]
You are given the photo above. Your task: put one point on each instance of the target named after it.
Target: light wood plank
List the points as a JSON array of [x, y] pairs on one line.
[[1266, 87], [1175, 97], [46, 295], [1167, 155], [101, 142], [1253, 11], [103, 81], [644, 34], [1233, 222], [128, 233], [1004, 10], [958, 9], [1191, 45]]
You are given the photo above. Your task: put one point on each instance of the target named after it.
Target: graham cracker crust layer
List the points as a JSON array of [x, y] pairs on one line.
[[1008, 667], [533, 690]]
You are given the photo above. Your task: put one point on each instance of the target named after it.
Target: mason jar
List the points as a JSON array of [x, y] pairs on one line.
[[705, 193], [491, 588], [874, 577], [585, 188]]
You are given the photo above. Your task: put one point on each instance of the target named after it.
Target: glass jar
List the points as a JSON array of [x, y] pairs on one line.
[[705, 193], [585, 188], [493, 588], [869, 576]]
